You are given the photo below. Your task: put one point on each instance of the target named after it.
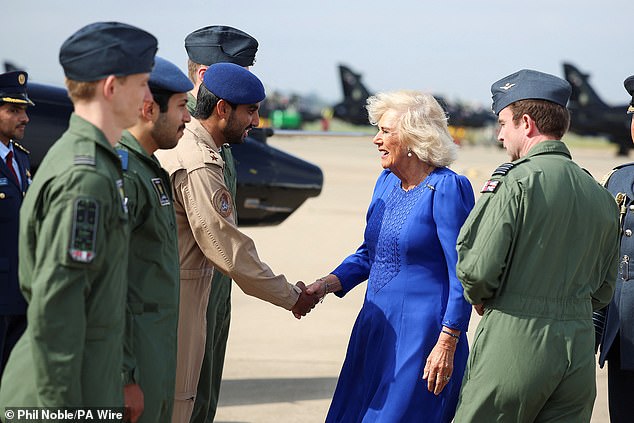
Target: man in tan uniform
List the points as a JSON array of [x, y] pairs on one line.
[[206, 46], [227, 108]]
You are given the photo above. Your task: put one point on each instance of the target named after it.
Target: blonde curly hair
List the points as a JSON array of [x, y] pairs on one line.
[[422, 125]]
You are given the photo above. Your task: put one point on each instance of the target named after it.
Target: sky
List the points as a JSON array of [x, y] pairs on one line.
[[452, 48]]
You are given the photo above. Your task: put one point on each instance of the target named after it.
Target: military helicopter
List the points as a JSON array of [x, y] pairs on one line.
[[271, 183]]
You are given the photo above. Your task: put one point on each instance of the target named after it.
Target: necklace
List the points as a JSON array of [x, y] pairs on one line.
[[420, 180]]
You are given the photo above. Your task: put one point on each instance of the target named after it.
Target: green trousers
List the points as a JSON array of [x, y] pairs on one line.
[[529, 369], [218, 319]]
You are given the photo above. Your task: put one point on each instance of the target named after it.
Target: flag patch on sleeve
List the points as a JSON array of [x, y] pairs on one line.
[[490, 186]]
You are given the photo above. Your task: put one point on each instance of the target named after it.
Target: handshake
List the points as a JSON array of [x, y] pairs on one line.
[[314, 293]]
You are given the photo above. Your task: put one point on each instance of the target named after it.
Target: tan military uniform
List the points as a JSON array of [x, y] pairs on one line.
[[208, 238]]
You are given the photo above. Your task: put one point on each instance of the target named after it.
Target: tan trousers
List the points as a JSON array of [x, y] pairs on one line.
[[192, 332]]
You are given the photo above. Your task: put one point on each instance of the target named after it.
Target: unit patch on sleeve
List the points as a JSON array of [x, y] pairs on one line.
[[490, 186], [84, 231], [222, 202], [164, 199]]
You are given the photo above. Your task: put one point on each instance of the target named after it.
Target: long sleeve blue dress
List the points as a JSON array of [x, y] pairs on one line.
[[409, 259]]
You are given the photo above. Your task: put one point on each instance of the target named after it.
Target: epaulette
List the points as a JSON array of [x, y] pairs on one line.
[[85, 154], [503, 169], [123, 155], [21, 147], [624, 165], [210, 156], [492, 185], [84, 160], [606, 178]]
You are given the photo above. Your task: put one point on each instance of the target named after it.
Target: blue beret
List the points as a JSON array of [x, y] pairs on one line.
[[107, 48], [219, 44], [234, 83], [13, 88], [529, 84], [166, 76], [629, 86]]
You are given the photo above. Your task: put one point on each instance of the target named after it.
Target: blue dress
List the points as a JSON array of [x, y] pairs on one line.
[[409, 259]]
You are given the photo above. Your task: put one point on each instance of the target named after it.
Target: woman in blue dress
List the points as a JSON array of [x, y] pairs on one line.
[[408, 348]]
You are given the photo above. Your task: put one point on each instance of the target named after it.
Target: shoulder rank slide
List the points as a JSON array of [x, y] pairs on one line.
[[491, 185], [84, 160], [503, 169]]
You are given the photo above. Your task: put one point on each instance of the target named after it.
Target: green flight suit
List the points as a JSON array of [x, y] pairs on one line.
[[218, 316], [540, 251], [153, 281], [73, 260]]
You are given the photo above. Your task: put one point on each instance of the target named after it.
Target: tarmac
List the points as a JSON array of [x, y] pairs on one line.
[[282, 370]]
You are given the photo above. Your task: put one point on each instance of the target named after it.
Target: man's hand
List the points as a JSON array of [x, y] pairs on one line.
[[305, 303], [133, 401], [317, 288]]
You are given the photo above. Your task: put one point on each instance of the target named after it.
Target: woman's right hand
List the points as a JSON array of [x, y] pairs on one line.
[[325, 285], [318, 287]]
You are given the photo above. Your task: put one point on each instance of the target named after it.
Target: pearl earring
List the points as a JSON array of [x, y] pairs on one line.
[[409, 152]]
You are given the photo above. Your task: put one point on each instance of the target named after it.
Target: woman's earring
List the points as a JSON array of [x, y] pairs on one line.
[[409, 152]]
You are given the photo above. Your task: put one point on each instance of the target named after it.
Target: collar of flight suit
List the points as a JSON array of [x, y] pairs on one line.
[[199, 131], [84, 129], [548, 147], [131, 143]]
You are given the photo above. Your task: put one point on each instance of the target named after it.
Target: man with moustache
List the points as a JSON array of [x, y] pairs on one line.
[[206, 46], [227, 108], [149, 365], [74, 231], [15, 178]]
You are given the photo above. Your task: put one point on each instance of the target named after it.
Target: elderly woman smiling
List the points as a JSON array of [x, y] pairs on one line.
[[408, 350]]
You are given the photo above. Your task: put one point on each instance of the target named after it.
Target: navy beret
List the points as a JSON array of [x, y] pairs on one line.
[[529, 84], [233, 83], [166, 76], [218, 44], [13, 88], [629, 86], [107, 48]]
